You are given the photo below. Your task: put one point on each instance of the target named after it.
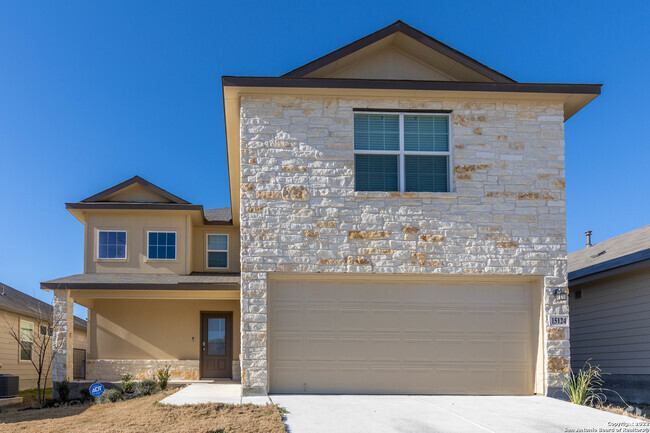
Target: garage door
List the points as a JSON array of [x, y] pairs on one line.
[[404, 337]]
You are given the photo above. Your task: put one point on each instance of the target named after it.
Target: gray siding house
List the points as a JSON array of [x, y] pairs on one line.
[[609, 306]]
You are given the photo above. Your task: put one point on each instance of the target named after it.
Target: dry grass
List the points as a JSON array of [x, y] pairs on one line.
[[619, 409], [145, 415]]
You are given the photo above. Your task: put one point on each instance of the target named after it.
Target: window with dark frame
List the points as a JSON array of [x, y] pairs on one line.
[[407, 152], [217, 251]]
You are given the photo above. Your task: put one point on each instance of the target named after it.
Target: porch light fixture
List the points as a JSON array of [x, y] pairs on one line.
[[560, 295]]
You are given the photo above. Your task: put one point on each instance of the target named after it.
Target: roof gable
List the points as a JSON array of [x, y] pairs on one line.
[[399, 52], [135, 190]]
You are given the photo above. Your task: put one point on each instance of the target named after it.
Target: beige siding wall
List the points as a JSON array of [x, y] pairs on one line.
[[9, 351], [190, 242], [137, 224], [610, 324], [199, 248], [153, 329], [79, 339]]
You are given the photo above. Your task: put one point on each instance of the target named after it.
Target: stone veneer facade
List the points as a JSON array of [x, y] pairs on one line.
[[300, 213], [113, 369]]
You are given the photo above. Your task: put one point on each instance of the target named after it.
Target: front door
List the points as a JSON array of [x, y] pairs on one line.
[[216, 345]]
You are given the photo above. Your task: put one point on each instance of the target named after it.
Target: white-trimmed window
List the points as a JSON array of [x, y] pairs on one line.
[[401, 151], [111, 244], [26, 340], [161, 245], [217, 251]]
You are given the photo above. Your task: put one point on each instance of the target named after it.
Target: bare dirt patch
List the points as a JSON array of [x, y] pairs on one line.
[[145, 415]]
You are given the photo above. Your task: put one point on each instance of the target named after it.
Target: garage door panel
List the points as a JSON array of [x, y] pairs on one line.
[[286, 319], [400, 337], [515, 350]]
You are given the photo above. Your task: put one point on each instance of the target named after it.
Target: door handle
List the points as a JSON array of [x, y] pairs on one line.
[[204, 345]]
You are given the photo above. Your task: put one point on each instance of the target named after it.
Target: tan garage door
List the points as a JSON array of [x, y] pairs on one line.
[[401, 336]]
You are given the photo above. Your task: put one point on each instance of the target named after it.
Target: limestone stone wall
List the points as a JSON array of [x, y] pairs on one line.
[[300, 213], [113, 369]]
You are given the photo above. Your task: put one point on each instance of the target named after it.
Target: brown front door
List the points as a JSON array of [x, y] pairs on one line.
[[216, 345]]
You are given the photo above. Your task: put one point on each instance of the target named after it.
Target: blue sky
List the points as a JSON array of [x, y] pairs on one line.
[[92, 93]]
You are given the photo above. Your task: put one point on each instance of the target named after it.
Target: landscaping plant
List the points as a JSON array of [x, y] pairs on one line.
[[147, 386], [111, 395], [127, 383], [163, 377], [586, 386], [63, 388]]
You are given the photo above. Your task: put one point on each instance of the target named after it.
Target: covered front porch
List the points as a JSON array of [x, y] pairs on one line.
[[140, 323]]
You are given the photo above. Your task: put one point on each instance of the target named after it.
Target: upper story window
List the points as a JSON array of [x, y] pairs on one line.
[[161, 245], [111, 244], [217, 251], [26, 340], [407, 152]]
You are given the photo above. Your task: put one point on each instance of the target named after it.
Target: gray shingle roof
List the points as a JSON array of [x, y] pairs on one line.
[[21, 303], [197, 281], [223, 214], [630, 247]]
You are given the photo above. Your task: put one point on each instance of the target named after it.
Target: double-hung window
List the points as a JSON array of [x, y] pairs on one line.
[[407, 152], [26, 340], [111, 244], [161, 245], [217, 251]]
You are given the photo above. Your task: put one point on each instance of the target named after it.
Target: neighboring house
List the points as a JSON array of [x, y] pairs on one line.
[[401, 214], [609, 285], [19, 311]]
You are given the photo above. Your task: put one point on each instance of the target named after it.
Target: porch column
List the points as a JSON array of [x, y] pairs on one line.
[[62, 340]]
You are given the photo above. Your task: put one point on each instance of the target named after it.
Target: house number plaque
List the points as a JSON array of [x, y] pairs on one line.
[[558, 321]]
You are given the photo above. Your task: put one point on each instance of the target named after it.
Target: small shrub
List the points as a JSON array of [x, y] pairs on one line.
[[586, 386], [111, 395], [85, 394], [63, 388], [127, 383], [147, 386], [163, 377]]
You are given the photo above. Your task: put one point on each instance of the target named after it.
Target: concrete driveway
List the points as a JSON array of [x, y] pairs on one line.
[[411, 414]]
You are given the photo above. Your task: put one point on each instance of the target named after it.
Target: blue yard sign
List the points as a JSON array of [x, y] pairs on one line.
[[96, 389]]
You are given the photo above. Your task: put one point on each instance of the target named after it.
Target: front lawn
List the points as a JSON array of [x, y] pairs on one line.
[[145, 414]]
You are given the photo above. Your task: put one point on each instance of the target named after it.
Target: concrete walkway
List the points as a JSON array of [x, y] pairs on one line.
[[212, 392], [453, 414]]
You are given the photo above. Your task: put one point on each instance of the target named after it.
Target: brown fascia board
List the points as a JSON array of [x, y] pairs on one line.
[[136, 179], [355, 83], [145, 206], [131, 286], [400, 26]]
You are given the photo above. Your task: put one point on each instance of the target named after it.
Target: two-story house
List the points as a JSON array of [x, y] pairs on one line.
[[398, 227]]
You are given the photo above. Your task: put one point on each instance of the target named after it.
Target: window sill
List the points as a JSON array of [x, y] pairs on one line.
[[160, 260], [110, 260], [397, 194]]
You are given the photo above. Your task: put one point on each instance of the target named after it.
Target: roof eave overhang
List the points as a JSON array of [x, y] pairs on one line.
[[77, 209], [131, 286], [573, 96]]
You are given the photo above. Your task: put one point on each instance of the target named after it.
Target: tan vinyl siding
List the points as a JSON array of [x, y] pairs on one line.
[[199, 249], [9, 352], [610, 324]]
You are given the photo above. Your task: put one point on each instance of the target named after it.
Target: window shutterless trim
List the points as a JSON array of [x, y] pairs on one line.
[[208, 251], [126, 243], [401, 153], [20, 345], [175, 244]]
